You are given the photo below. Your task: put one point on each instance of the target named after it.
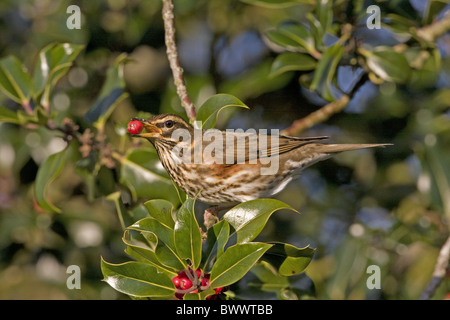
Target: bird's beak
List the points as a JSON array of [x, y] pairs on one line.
[[151, 129]]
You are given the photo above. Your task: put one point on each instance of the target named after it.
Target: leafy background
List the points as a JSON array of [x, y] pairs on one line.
[[387, 207]]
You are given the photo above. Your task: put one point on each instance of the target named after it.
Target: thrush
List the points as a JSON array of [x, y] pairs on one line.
[[229, 167]]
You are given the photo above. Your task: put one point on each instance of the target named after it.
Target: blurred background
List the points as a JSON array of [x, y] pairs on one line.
[[388, 207]]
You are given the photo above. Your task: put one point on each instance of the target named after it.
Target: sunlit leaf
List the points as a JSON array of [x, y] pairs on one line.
[[188, 238], [210, 109], [111, 94], [137, 279], [326, 70], [292, 37], [161, 210], [216, 240], [15, 81], [288, 259], [388, 64], [291, 61], [53, 62], [235, 262], [249, 218], [47, 172]]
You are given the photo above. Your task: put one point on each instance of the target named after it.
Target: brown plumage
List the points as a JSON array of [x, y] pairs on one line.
[[223, 167]]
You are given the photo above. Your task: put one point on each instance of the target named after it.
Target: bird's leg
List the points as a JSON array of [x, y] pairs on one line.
[[211, 215]]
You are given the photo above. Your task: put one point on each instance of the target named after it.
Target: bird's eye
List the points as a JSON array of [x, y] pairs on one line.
[[169, 124]]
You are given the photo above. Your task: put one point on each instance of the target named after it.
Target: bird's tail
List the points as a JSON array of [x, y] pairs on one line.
[[334, 148]]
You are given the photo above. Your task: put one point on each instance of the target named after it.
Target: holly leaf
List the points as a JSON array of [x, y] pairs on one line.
[[235, 262], [288, 259], [249, 218], [292, 61], [325, 71], [111, 94], [48, 171], [137, 279], [210, 109], [15, 81], [188, 238]]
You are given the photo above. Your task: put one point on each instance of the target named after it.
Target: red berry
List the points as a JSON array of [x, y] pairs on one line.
[[135, 127], [205, 280], [199, 272], [218, 290], [185, 283], [176, 281], [179, 296]]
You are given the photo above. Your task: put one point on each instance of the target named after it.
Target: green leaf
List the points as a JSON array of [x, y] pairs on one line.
[[165, 250], [188, 238], [162, 231], [161, 210], [288, 259], [326, 70], [7, 115], [138, 248], [111, 94], [388, 64], [47, 172], [15, 81], [432, 9], [141, 171], [235, 262], [292, 37], [291, 61], [137, 279], [271, 280], [278, 4], [216, 240], [53, 62], [249, 218], [210, 109]]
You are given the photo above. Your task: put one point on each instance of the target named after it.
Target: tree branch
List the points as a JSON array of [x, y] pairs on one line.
[[325, 112], [440, 270], [435, 30], [172, 55]]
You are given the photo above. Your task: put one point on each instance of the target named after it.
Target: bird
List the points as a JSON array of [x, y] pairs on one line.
[[224, 168]]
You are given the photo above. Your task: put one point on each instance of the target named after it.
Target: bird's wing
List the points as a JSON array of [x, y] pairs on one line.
[[245, 147]]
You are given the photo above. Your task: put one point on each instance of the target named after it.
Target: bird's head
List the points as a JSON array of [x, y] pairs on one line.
[[162, 127]]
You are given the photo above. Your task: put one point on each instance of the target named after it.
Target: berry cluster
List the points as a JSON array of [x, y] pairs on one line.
[[194, 281]]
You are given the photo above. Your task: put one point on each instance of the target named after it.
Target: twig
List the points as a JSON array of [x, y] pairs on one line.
[[172, 55], [440, 270], [435, 30], [325, 112]]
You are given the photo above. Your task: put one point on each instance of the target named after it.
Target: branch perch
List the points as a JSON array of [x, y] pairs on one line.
[[172, 55], [325, 112], [440, 270]]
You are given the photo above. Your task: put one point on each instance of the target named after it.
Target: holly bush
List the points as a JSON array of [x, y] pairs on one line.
[[69, 166]]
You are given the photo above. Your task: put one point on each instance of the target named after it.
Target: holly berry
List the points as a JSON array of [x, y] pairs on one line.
[[176, 281], [135, 127], [205, 280], [185, 283]]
